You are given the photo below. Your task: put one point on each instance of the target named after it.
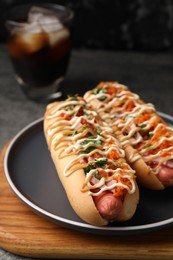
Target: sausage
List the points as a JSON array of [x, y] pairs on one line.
[[108, 205], [165, 175]]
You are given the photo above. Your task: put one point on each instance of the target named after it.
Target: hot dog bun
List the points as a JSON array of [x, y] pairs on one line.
[[81, 202], [122, 110], [145, 175]]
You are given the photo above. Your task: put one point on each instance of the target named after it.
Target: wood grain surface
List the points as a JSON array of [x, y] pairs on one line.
[[24, 233]]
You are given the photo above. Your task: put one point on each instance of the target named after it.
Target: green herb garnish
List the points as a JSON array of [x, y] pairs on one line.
[[142, 126], [87, 141], [73, 97], [89, 167], [150, 134], [148, 146], [102, 98], [102, 162], [97, 175]]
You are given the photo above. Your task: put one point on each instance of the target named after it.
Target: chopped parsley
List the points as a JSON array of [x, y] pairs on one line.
[[97, 163], [142, 126], [102, 98], [73, 97], [97, 175], [88, 149], [89, 167], [92, 147], [148, 146], [96, 90], [150, 134], [94, 141], [102, 162]]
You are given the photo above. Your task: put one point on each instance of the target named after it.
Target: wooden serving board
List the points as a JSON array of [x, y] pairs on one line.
[[24, 233]]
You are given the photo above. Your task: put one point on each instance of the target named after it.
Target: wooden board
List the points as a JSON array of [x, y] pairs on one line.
[[25, 233]]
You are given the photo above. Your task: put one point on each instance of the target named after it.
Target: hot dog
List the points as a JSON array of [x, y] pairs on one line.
[[90, 162], [145, 136]]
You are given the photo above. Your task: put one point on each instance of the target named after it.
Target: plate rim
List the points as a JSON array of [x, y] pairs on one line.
[[71, 223]]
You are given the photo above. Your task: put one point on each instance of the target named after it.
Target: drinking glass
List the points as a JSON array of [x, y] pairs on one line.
[[39, 44]]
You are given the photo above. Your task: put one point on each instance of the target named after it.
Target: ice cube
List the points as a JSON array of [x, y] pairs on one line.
[[19, 28], [31, 28], [32, 42], [56, 36], [36, 11], [34, 17], [42, 27], [50, 23], [45, 18]]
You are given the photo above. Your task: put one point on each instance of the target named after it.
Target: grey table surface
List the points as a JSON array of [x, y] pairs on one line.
[[148, 74]]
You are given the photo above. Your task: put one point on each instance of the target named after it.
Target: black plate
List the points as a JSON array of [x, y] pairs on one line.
[[32, 176]]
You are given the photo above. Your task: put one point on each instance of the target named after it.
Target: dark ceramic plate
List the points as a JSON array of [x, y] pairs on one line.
[[32, 176]]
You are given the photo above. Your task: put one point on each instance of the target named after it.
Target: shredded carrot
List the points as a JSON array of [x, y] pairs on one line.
[[103, 173], [142, 118], [111, 90], [113, 155], [119, 191], [111, 141], [125, 166], [161, 132], [156, 122], [165, 154], [129, 105], [163, 145], [96, 155]]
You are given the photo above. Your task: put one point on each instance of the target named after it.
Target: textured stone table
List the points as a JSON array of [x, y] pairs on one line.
[[148, 74]]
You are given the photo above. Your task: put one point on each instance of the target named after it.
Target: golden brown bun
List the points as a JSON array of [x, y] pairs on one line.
[[144, 173], [81, 202], [129, 205]]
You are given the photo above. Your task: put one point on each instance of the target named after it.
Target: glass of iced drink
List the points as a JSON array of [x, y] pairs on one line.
[[39, 45]]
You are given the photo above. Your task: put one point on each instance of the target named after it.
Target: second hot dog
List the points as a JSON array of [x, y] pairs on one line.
[[146, 138]]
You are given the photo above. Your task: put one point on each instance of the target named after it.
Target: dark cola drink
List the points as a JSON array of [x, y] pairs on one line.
[[37, 59], [39, 48]]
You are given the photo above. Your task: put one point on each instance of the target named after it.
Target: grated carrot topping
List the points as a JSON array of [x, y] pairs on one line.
[[142, 118]]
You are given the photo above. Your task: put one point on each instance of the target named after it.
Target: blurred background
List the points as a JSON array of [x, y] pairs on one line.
[[141, 25]]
